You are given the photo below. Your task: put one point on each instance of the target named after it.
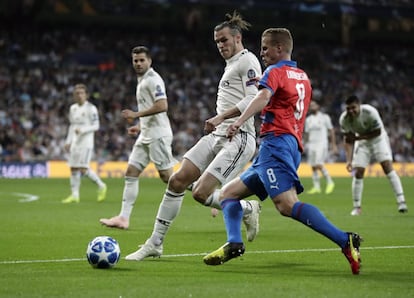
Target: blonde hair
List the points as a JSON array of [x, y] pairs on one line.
[[281, 36]]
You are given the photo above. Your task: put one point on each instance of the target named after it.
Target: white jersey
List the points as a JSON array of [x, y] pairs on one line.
[[85, 118], [377, 148], [237, 87], [317, 127], [367, 121], [150, 88]]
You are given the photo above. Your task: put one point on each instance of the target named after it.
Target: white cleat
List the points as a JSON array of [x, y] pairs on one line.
[[115, 222], [146, 250], [402, 207], [356, 211], [251, 221]]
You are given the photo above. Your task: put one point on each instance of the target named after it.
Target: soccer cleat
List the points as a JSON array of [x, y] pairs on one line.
[[251, 221], [146, 250], [115, 222], [402, 207], [329, 188], [356, 211], [351, 252], [102, 193], [313, 191], [226, 252], [70, 199]]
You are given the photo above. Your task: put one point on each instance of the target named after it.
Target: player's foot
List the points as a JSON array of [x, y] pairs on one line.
[[402, 207], [330, 188], [356, 211], [313, 191], [102, 193], [115, 222], [70, 199], [351, 252], [146, 250], [251, 221], [226, 252]]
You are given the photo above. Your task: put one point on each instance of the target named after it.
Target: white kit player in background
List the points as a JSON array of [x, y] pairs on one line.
[[214, 160], [84, 121], [365, 138], [318, 130], [154, 143]]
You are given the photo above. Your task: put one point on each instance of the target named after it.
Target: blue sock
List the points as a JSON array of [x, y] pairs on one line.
[[311, 216], [232, 213]]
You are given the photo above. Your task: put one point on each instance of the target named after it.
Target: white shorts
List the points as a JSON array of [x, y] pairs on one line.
[[220, 157], [317, 155], [158, 151], [80, 157], [377, 150]]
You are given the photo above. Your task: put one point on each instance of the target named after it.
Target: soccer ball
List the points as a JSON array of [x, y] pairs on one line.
[[103, 252]]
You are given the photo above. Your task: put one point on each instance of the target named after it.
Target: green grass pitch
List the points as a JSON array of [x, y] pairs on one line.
[[43, 244]]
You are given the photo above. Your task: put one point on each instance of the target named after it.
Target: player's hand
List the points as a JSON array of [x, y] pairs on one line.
[[232, 130], [211, 124], [348, 167], [128, 114], [350, 138], [134, 130], [67, 147]]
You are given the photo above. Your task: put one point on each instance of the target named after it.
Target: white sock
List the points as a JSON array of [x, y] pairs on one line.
[[316, 180], [396, 186], [357, 188], [75, 182], [168, 210], [213, 200], [95, 178], [325, 173], [131, 190]]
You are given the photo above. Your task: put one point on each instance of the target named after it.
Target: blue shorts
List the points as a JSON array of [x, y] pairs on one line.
[[274, 170]]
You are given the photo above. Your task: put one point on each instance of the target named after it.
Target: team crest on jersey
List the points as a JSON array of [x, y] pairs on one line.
[[251, 74], [158, 91], [225, 83]]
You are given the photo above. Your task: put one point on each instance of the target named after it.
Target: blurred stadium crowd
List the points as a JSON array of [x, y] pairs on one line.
[[39, 68]]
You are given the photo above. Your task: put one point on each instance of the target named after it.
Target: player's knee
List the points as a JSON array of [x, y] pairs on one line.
[[132, 171], [164, 176], [199, 195], [177, 183]]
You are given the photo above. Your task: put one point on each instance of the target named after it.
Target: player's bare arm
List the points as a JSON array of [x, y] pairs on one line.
[[349, 140], [370, 135], [255, 106], [211, 124], [158, 107]]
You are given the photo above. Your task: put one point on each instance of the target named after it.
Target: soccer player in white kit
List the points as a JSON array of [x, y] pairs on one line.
[[155, 134], [214, 160], [365, 138], [84, 121], [318, 129]]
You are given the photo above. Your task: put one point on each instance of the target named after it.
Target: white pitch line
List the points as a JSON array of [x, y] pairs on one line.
[[203, 254], [26, 196]]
